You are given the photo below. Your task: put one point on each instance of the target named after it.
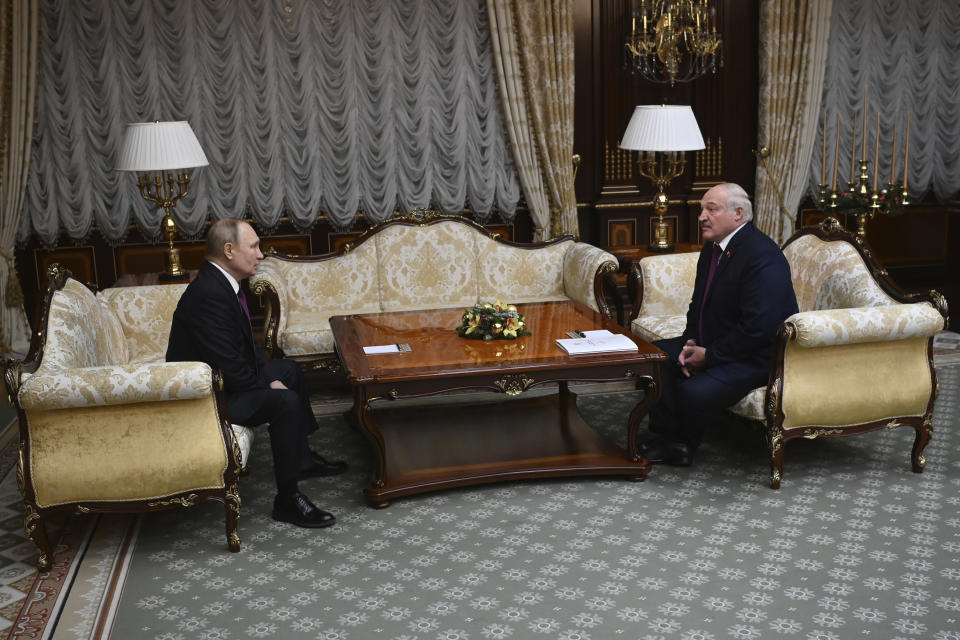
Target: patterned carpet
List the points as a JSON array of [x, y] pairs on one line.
[[854, 544]]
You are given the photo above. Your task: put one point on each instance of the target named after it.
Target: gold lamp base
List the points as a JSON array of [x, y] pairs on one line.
[[173, 271], [661, 240]]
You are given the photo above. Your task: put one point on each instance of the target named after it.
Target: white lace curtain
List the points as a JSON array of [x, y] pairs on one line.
[[906, 54], [303, 108]]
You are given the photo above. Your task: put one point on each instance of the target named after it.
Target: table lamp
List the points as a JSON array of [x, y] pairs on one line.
[[664, 133], [161, 152]]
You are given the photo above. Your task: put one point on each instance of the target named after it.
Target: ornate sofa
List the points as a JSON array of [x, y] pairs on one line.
[[105, 424], [407, 264], [857, 357]]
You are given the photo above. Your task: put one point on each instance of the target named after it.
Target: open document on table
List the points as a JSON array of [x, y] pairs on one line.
[[600, 341]]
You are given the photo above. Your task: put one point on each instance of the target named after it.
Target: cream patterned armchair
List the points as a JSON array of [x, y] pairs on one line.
[[857, 357], [106, 425], [409, 264]]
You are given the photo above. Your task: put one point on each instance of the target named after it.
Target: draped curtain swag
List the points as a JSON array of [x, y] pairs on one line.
[[532, 42], [793, 55], [906, 54], [19, 29], [303, 109]]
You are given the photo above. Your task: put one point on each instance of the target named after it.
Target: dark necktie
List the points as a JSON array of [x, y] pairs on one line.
[[242, 298], [706, 289]]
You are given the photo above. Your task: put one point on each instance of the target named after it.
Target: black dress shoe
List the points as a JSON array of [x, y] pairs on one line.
[[671, 452], [297, 509], [320, 467]]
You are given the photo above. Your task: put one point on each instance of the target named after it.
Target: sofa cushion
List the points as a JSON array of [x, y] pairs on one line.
[[515, 274], [658, 327], [80, 331], [427, 267], [145, 314], [309, 333]]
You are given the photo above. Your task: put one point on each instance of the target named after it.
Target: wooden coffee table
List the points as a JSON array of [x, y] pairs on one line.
[[430, 445]]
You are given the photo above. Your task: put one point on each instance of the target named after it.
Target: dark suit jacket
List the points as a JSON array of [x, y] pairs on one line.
[[209, 325], [750, 296]]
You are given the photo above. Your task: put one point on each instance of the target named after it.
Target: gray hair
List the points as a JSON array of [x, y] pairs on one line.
[[220, 233], [737, 197]]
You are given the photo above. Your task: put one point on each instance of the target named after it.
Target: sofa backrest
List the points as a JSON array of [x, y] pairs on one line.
[[145, 314], [427, 266], [80, 332], [831, 275], [514, 274]]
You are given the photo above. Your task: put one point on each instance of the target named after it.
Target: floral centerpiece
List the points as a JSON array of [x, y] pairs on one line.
[[490, 321]]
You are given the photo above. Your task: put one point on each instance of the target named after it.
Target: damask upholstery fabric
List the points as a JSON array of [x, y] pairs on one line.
[[831, 275], [667, 289], [79, 331], [438, 265], [370, 105], [510, 274], [144, 314], [116, 384], [427, 267]]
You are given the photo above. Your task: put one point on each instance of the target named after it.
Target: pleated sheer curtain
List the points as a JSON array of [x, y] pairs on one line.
[[533, 52], [794, 39], [19, 27], [906, 54], [303, 109]]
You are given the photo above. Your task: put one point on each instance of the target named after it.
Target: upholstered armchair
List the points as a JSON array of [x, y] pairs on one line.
[[857, 357], [105, 424]]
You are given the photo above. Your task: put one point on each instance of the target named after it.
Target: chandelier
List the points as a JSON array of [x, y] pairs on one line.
[[673, 40]]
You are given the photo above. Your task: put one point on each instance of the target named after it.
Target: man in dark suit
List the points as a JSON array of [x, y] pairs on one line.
[[743, 292], [212, 324]]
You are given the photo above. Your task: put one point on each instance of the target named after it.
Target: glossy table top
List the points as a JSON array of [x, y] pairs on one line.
[[437, 350]]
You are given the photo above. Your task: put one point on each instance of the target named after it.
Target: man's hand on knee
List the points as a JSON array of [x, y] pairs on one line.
[[692, 358], [276, 384]]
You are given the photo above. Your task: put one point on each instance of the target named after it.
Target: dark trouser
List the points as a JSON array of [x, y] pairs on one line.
[[289, 415], [688, 405]]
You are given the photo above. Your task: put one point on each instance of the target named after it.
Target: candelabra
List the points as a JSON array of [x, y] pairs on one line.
[[864, 196], [673, 40], [157, 149]]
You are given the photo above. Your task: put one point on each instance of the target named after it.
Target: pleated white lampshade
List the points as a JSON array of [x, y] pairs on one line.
[[157, 146], [662, 128]]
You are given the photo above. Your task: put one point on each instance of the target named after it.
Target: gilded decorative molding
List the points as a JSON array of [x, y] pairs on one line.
[[513, 385], [709, 161], [609, 267], [12, 373], [772, 402], [812, 434], [330, 364], [893, 424], [183, 501]]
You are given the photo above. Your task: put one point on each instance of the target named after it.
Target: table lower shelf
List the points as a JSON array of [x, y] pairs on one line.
[[427, 448]]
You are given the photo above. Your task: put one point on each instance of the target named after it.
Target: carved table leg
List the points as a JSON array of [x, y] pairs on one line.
[[651, 393]]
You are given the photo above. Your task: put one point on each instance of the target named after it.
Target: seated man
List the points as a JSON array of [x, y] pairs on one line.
[[212, 324], [743, 292]]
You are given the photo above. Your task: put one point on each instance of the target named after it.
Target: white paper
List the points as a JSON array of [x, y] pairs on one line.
[[601, 341], [383, 348]]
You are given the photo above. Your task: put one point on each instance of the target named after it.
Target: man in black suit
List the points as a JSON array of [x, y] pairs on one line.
[[743, 292], [212, 324]]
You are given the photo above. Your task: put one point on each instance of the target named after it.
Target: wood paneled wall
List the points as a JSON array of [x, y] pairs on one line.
[[615, 204]]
